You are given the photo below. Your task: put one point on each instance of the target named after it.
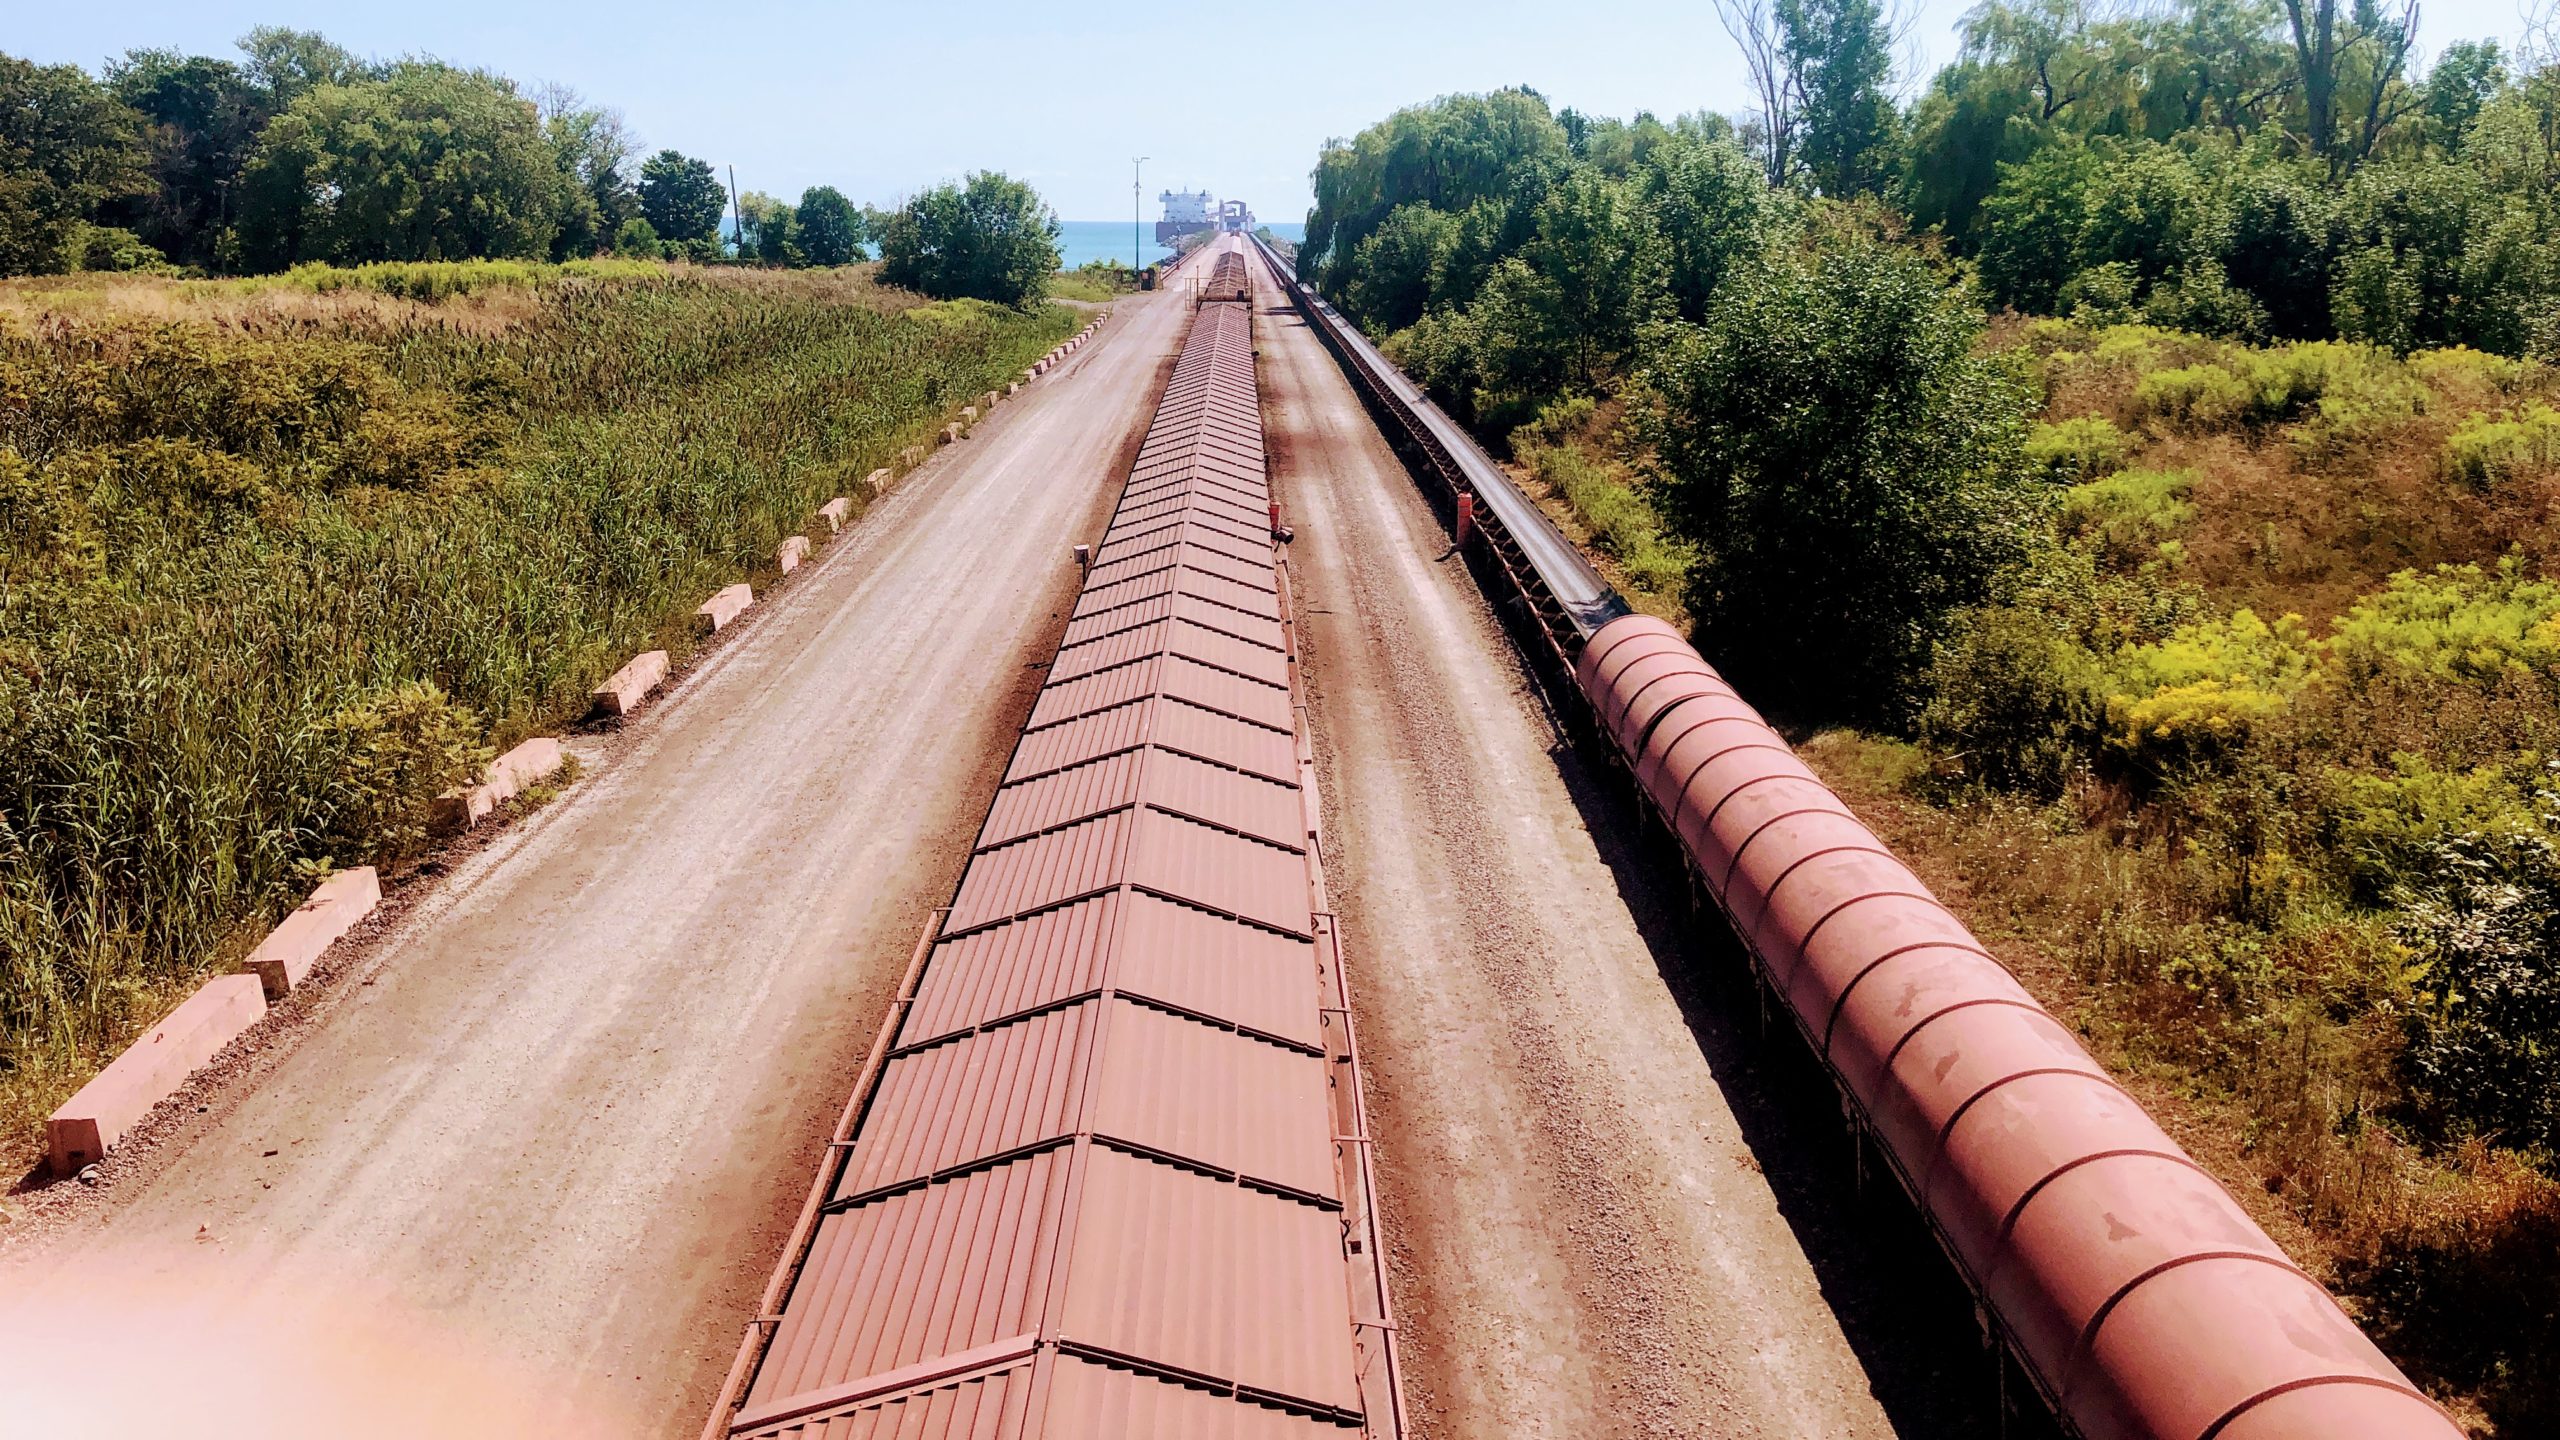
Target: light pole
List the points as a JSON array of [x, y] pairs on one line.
[[1134, 190]]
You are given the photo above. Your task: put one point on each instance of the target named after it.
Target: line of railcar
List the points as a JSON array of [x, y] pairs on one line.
[[2138, 1297], [1107, 1172]]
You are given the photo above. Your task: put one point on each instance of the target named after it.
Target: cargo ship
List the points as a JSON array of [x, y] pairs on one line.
[[1186, 212]]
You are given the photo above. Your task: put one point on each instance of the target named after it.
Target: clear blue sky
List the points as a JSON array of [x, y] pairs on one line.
[[882, 100]]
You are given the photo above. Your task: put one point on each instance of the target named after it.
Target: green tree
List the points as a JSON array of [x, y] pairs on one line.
[[990, 237], [2434, 254], [830, 229], [2273, 233], [1840, 56], [1601, 265], [202, 118], [66, 146], [287, 64], [1967, 126], [2350, 74], [2216, 67], [681, 197], [431, 163], [771, 232], [2465, 77], [593, 147], [1454, 154], [1396, 267], [1712, 210], [1848, 461], [2029, 230], [637, 240]]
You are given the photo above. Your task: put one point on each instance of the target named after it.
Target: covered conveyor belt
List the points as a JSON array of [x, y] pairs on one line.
[[2138, 1298]]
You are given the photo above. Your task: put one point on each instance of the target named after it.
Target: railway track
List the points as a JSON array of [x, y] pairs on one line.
[[2127, 1287]]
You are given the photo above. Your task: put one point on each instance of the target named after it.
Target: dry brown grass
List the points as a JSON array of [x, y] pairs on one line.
[[2287, 521], [151, 300], [2276, 534], [272, 303]]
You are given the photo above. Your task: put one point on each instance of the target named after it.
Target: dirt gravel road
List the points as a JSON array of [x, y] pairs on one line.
[[565, 1108], [1585, 1239]]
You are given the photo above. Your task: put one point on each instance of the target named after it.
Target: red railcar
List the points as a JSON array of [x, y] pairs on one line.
[[1107, 1172]]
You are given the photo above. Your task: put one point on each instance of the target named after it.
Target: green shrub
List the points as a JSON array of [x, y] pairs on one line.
[[2279, 383], [2200, 692], [2482, 918], [2461, 370], [106, 248], [2079, 449], [2141, 348], [2198, 397], [2459, 623], [2488, 449], [2013, 697], [397, 749], [2200, 296], [2102, 295], [2283, 380], [2362, 397], [2130, 512], [638, 240], [2385, 827]]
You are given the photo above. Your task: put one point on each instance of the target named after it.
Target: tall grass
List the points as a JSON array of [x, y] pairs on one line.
[[1577, 450], [270, 575]]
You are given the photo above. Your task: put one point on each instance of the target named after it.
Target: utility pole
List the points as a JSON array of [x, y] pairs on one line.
[[737, 215], [1134, 212]]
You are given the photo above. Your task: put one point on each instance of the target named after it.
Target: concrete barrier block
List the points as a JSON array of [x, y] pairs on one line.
[[1013, 389], [290, 950], [794, 550], [878, 479], [951, 433], [527, 763], [988, 400], [838, 512], [356, 889], [912, 456], [627, 687], [90, 1123], [715, 613], [969, 414], [508, 775]]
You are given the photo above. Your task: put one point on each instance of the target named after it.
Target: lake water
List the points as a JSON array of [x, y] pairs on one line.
[[1083, 240]]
